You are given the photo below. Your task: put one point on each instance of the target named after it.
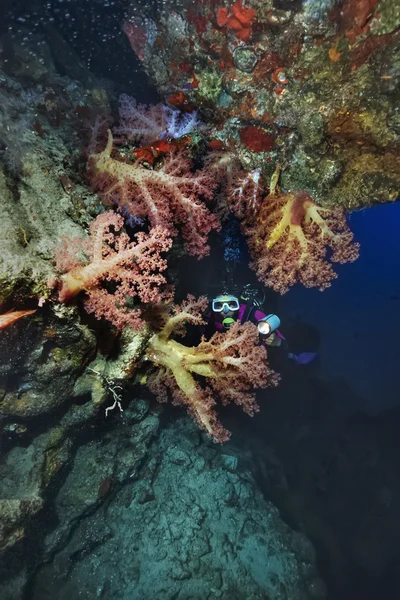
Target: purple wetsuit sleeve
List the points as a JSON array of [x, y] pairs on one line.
[[258, 315], [242, 308]]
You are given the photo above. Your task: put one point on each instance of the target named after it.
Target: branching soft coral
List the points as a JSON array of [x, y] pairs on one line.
[[146, 124], [110, 259], [245, 194], [241, 191], [290, 238], [230, 366], [167, 196]]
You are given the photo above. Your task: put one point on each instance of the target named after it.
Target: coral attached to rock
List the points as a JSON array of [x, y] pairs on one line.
[[232, 364], [168, 196], [289, 241], [109, 254]]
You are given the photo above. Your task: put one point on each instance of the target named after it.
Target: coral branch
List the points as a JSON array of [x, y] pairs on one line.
[[245, 194], [109, 255], [229, 366], [147, 124], [290, 238], [12, 316], [165, 196]]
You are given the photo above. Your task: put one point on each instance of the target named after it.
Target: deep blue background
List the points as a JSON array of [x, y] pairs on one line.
[[359, 316]]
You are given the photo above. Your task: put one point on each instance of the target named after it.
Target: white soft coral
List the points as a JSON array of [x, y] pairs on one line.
[[146, 124]]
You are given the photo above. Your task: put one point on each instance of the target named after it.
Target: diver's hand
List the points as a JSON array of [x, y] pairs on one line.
[[273, 340]]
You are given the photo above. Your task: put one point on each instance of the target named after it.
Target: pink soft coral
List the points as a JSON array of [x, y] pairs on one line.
[[166, 196], [241, 191], [230, 365], [289, 240], [109, 255]]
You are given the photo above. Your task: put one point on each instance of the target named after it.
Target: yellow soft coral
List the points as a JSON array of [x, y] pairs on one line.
[[290, 239], [232, 364]]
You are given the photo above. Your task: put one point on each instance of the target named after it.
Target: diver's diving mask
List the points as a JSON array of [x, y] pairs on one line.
[[225, 304]]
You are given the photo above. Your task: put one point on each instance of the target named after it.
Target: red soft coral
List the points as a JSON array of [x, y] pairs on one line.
[[165, 196], [109, 255], [230, 365], [238, 18], [289, 240]]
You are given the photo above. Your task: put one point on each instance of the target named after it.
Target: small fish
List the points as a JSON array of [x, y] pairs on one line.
[[13, 315], [274, 179]]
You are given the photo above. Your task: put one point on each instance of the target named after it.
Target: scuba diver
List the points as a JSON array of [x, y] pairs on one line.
[[226, 309]]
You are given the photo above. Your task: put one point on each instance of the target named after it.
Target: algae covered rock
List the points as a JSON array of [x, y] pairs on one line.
[[25, 473], [40, 363], [323, 76], [188, 511]]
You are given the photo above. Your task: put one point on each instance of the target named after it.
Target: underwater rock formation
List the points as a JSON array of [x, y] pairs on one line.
[[188, 520], [317, 77], [295, 96]]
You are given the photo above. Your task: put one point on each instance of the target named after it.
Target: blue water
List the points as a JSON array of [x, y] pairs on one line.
[[359, 316]]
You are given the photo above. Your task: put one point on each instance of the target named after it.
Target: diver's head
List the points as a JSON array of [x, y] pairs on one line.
[[225, 308]]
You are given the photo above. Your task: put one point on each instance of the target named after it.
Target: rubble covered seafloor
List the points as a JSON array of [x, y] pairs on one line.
[[319, 77]]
